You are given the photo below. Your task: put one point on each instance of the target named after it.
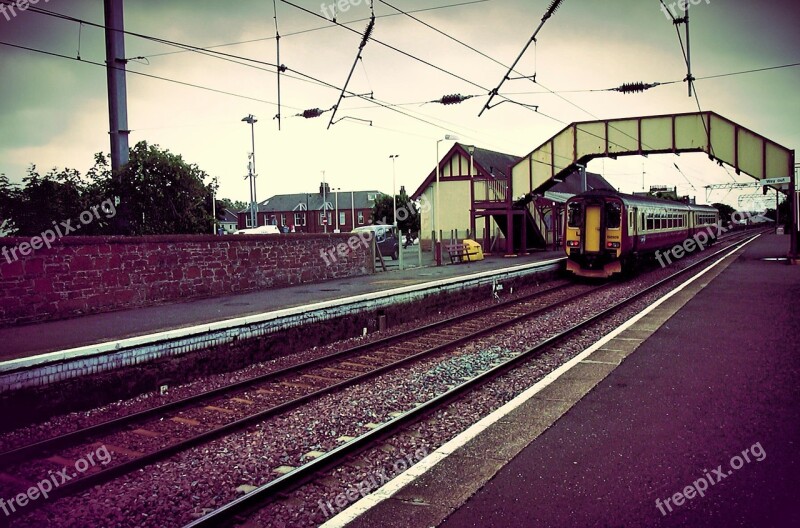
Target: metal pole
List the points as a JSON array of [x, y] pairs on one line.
[[394, 192], [117, 88], [213, 210], [324, 205], [394, 209], [251, 167], [337, 209], [689, 77], [253, 144], [117, 103], [437, 245], [353, 208]]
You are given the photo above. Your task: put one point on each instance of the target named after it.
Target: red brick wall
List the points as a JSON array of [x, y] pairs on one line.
[[81, 275]]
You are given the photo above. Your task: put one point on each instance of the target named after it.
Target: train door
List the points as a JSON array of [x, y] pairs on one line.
[[592, 228]]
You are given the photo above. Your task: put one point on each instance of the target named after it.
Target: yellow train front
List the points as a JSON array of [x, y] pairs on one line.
[[607, 232], [593, 238]]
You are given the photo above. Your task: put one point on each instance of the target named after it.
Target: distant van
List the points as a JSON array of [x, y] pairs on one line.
[[385, 238], [261, 230]]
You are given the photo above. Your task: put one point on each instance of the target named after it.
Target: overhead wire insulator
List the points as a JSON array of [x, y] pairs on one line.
[[554, 5], [367, 32], [634, 87], [311, 113], [453, 99]]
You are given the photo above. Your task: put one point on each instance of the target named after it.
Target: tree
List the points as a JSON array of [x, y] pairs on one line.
[[234, 206], [408, 220], [159, 194], [45, 201], [725, 212], [9, 201]]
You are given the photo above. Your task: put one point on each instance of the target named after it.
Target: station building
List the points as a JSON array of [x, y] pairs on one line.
[[477, 200]]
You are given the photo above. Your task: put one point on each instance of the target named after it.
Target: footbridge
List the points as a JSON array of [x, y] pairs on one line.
[[723, 140]]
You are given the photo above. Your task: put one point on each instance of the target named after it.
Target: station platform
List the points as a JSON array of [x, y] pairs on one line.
[[675, 398], [36, 339]]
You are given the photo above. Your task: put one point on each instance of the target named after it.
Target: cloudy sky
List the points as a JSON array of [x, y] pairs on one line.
[[54, 110]]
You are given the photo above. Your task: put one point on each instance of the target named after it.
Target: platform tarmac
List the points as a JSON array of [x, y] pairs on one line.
[[676, 398], [33, 339]]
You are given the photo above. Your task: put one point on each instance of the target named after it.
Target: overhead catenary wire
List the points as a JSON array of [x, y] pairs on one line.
[[142, 74], [224, 56], [278, 60], [321, 28], [690, 79], [396, 49], [554, 5], [364, 39]]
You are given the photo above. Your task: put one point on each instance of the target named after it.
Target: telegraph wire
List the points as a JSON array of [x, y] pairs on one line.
[[174, 81]]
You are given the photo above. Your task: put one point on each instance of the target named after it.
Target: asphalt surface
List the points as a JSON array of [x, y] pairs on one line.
[[722, 376], [33, 339]]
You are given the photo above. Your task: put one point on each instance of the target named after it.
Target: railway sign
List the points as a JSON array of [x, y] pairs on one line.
[[775, 181]]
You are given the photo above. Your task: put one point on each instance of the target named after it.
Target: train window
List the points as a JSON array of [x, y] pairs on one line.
[[649, 222], [575, 215], [613, 215]]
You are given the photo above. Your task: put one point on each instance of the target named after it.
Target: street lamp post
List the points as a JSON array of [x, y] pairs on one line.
[[471, 150], [394, 157], [214, 186], [436, 225], [252, 169], [336, 210], [324, 205]]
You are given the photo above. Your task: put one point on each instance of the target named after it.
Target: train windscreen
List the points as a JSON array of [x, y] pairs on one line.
[[613, 215], [575, 215]]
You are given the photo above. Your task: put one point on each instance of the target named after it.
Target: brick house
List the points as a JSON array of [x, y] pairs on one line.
[[309, 213]]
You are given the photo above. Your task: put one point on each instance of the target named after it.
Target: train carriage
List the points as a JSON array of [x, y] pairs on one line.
[[607, 232]]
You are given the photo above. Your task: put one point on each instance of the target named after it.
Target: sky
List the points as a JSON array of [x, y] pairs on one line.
[[54, 110]]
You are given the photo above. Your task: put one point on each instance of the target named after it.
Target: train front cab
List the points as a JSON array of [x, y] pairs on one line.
[[594, 236]]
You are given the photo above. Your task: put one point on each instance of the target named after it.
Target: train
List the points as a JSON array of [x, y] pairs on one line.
[[609, 233]]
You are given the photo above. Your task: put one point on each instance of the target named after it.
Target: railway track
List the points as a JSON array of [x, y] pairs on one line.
[[143, 438], [199, 419], [258, 498]]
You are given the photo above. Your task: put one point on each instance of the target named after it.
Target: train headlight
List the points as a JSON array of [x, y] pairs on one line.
[[573, 243], [612, 245]]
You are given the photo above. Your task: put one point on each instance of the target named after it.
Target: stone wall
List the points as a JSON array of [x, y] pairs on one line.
[[82, 275]]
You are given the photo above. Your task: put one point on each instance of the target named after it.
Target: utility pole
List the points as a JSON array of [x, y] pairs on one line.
[[117, 101], [251, 170], [117, 90]]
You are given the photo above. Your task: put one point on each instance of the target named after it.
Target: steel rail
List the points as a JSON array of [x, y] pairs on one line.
[[68, 439], [259, 497], [93, 479]]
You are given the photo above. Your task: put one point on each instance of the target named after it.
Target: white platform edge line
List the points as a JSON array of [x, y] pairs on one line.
[[111, 346], [388, 490]]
